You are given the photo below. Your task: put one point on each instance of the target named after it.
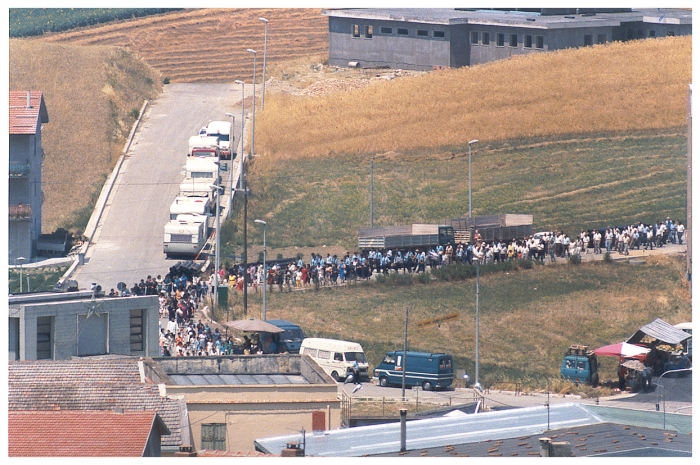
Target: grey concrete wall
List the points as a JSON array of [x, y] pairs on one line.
[[388, 50], [66, 334]]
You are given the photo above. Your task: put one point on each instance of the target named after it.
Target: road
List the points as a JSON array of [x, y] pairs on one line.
[[128, 242]]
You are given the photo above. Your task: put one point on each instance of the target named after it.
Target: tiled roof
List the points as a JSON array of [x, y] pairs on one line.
[[26, 119], [79, 434], [124, 370], [91, 385]]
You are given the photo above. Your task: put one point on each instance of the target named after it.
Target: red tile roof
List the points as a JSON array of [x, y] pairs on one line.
[[26, 119], [80, 433]]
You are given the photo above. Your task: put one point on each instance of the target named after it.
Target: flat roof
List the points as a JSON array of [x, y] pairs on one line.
[[237, 379], [450, 16], [466, 429]]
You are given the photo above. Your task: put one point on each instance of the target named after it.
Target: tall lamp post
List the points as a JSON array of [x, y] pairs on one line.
[[255, 60], [471, 142], [20, 260], [217, 258], [264, 310], [230, 168], [242, 188], [264, 62]]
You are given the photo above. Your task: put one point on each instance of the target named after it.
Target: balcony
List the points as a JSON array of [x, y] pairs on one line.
[[20, 212], [18, 170]]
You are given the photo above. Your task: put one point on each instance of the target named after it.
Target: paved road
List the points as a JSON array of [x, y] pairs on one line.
[[128, 243]]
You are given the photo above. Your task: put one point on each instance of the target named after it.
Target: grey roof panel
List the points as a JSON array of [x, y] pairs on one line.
[[660, 330], [239, 379]]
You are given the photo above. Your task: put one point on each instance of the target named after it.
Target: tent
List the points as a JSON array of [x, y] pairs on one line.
[[254, 325], [661, 331], [622, 349]]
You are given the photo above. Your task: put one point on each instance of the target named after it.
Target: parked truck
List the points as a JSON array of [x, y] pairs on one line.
[[203, 146], [222, 131], [185, 235], [201, 179], [580, 365], [503, 227], [190, 205], [404, 237]]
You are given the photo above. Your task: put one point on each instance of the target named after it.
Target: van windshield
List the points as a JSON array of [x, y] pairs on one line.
[[292, 334], [359, 357]]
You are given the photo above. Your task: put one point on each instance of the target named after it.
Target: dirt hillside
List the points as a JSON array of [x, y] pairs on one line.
[[209, 45]]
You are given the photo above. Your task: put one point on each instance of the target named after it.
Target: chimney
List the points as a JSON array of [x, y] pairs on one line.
[[29, 99], [545, 444], [293, 450], [185, 451], [402, 413]]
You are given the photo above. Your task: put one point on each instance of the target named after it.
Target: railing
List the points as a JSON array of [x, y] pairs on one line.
[[19, 169], [19, 211], [389, 406]]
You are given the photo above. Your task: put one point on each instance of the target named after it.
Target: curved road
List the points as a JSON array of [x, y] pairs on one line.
[[128, 242]]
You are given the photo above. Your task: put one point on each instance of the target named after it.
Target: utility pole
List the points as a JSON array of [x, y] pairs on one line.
[[403, 362], [371, 193]]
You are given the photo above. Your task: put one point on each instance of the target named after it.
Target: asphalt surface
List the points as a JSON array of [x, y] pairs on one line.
[[128, 242], [675, 396]]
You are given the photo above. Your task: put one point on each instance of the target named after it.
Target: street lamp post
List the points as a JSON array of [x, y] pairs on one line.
[[242, 187], [20, 260], [264, 309], [255, 60], [470, 175], [242, 154], [230, 168], [264, 62], [218, 238]]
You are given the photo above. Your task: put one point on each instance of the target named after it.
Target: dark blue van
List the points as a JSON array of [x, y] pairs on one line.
[[430, 371], [291, 337]]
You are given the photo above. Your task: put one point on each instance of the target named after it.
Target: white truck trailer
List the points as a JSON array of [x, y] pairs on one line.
[[222, 131], [201, 179], [185, 236], [190, 206]]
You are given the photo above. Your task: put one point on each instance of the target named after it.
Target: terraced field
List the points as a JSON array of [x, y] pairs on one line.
[[209, 45]]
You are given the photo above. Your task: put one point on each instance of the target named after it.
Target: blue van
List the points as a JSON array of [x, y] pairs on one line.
[[291, 337], [430, 371]]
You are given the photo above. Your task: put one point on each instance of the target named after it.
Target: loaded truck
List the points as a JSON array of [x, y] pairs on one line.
[[504, 227], [207, 147], [580, 365], [404, 237], [222, 131], [190, 205], [185, 235]]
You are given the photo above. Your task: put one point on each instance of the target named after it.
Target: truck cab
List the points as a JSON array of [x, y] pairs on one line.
[[580, 365], [291, 337]]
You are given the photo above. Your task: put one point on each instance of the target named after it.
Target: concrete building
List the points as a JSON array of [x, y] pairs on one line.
[[426, 38], [62, 325], [27, 114], [233, 400]]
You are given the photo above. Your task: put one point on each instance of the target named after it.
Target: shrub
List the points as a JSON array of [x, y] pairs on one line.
[[166, 80], [575, 259], [607, 257], [135, 113], [424, 278]]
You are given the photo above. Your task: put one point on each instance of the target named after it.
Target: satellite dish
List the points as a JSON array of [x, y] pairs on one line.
[[121, 286]]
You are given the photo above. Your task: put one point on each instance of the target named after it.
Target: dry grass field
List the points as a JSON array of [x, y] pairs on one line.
[[209, 45], [638, 85], [90, 94]]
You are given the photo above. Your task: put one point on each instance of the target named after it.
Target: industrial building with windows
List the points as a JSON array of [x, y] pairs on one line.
[[428, 38]]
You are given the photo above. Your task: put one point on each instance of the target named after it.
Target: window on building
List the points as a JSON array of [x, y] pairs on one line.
[[485, 38], [588, 40], [44, 339], [214, 436], [527, 41], [439, 34], [514, 40], [368, 32], [652, 33], [356, 30], [475, 38], [402, 31], [386, 30], [670, 34], [136, 330], [602, 38], [539, 42], [422, 33], [500, 40]]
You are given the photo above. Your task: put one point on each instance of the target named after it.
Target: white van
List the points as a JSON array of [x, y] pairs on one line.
[[335, 357]]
